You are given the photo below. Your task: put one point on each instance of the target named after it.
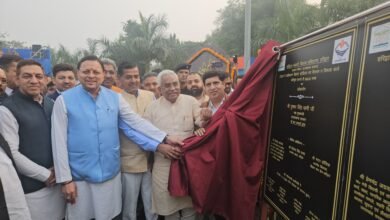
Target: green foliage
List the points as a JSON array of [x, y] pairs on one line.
[[4, 43], [178, 52], [141, 43], [229, 33], [281, 20], [63, 55], [335, 10], [146, 42]]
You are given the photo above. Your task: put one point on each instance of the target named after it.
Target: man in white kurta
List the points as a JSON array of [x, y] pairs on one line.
[[94, 190], [175, 114], [13, 191], [25, 125]]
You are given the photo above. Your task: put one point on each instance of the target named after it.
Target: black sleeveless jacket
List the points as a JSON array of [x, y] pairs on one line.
[[34, 123]]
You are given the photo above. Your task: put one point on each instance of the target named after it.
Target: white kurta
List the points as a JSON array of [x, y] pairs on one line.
[[13, 191], [46, 203], [176, 119], [102, 200]]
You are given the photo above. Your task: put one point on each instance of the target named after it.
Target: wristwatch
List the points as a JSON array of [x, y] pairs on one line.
[[66, 183]]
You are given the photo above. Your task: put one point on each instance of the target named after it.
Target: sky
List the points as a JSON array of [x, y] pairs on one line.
[[71, 22]]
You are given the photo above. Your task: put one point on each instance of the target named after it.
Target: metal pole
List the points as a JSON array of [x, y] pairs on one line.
[[247, 38]]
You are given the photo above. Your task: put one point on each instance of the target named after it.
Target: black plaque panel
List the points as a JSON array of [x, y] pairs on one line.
[[308, 124], [368, 188]]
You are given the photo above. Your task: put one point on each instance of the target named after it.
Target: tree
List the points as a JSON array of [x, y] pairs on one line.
[[178, 52], [63, 55], [4, 43], [281, 20], [92, 48], [335, 10], [293, 18], [229, 33], [146, 42], [140, 43]]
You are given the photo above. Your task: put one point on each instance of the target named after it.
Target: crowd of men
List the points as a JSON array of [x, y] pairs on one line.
[[86, 144]]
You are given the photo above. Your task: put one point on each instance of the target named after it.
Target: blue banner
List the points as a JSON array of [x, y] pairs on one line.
[[42, 56]]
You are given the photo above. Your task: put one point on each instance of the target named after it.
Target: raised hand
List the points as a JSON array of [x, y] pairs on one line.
[[205, 114]]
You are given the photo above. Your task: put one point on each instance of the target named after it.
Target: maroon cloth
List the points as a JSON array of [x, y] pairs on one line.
[[221, 170]]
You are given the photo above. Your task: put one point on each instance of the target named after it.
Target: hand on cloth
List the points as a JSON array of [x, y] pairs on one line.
[[200, 132], [169, 151], [174, 140]]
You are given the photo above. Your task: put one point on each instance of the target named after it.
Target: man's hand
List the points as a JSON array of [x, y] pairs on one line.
[[169, 151], [200, 132], [173, 140], [51, 181], [205, 114], [70, 192]]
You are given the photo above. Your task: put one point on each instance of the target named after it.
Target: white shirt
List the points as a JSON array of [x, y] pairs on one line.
[[8, 91], [215, 108]]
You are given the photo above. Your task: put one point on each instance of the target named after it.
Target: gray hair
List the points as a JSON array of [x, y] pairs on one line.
[[108, 61], [164, 73]]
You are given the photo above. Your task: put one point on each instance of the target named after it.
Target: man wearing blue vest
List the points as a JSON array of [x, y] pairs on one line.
[[86, 143]]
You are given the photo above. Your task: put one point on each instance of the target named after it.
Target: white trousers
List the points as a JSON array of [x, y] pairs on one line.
[[132, 184], [13, 191], [46, 204]]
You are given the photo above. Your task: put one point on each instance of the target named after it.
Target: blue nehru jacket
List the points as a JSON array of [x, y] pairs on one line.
[[93, 138]]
